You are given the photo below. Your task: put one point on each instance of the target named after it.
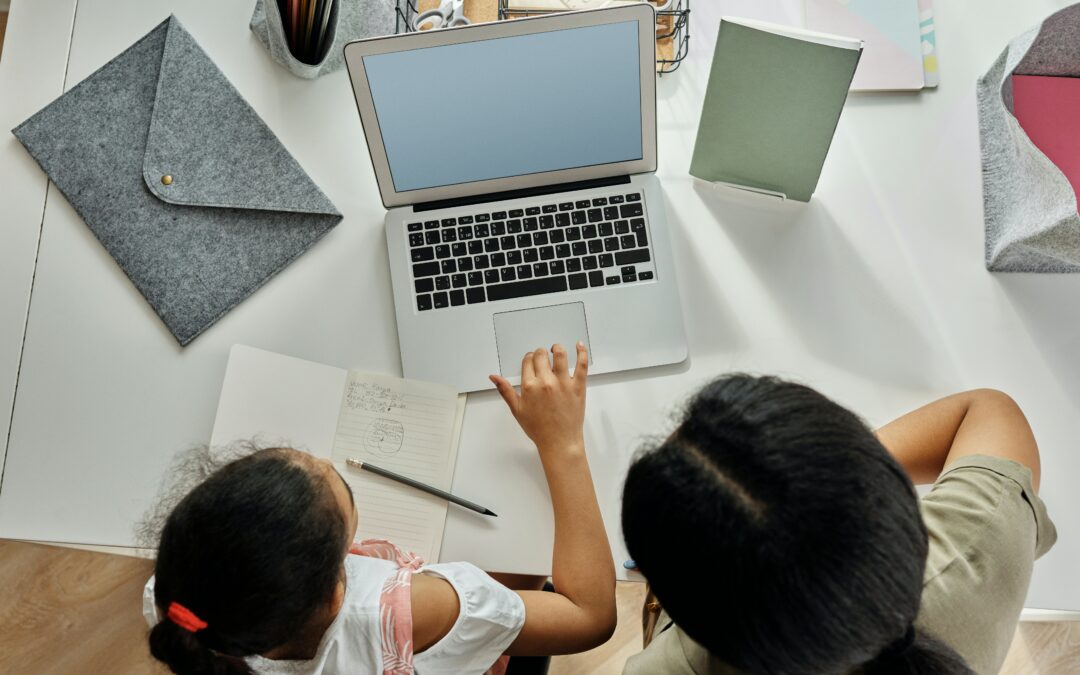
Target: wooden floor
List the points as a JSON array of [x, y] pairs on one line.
[[68, 611], [3, 29]]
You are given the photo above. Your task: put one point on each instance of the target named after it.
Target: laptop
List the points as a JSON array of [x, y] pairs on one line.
[[516, 160]]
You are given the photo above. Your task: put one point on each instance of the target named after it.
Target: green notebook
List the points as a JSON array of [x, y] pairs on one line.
[[774, 97]]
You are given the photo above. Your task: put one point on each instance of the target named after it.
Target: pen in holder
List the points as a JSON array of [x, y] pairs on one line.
[[309, 27], [307, 36]]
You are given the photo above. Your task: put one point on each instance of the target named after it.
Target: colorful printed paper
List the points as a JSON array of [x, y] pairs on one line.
[[893, 56], [931, 76]]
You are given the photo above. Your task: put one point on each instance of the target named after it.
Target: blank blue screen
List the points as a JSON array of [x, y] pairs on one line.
[[509, 106]]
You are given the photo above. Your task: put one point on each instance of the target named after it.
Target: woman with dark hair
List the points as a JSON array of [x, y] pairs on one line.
[[257, 570], [779, 534]]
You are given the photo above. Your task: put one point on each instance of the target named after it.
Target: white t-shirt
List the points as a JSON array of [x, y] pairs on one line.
[[489, 619]]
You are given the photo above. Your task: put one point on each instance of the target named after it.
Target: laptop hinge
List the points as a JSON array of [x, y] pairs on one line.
[[523, 192]]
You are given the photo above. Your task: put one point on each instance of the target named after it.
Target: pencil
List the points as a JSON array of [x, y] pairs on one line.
[[327, 7], [309, 22], [294, 21], [367, 466]]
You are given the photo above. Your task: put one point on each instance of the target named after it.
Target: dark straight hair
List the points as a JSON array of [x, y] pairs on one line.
[[254, 551], [781, 535]]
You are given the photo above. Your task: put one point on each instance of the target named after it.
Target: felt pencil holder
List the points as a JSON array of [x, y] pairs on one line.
[[1030, 173], [349, 20]]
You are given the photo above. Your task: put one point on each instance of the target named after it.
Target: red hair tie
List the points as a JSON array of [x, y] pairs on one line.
[[185, 618]]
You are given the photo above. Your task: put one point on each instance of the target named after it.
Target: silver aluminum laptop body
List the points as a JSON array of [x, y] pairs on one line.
[[456, 325]]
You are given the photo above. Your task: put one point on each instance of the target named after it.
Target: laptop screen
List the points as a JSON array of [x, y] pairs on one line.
[[509, 106]]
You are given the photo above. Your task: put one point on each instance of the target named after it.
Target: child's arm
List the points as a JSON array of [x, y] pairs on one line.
[[977, 422], [580, 614]]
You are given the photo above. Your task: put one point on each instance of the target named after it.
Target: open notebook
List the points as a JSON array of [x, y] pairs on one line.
[[411, 428]]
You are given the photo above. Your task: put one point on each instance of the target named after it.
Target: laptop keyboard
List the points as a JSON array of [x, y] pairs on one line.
[[547, 248]]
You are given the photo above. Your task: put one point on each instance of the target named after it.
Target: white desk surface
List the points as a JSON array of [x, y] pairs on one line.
[[875, 292]]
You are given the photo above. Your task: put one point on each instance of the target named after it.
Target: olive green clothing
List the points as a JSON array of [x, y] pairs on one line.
[[986, 527]]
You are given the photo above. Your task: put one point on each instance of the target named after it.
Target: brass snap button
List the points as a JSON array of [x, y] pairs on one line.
[[166, 179]]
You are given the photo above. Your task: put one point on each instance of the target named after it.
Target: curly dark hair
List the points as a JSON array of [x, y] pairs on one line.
[[254, 550], [808, 530]]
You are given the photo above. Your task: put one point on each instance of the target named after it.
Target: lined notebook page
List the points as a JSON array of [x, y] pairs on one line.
[[410, 428]]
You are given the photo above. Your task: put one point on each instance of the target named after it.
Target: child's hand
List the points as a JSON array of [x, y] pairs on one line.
[[581, 613], [551, 405]]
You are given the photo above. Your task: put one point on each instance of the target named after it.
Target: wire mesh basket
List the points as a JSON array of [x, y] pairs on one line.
[[672, 27], [405, 11]]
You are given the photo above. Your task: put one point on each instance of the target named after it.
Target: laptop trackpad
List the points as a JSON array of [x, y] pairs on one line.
[[525, 330]]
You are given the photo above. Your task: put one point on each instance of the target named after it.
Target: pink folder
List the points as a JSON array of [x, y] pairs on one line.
[[1048, 109]]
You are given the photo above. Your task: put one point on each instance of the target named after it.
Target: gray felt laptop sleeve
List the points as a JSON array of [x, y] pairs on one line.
[[178, 177]]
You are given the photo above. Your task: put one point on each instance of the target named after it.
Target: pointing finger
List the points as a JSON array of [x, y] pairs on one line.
[[527, 371], [562, 368], [581, 368], [541, 362]]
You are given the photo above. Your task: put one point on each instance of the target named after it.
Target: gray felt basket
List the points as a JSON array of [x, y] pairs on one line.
[[349, 20], [1029, 206]]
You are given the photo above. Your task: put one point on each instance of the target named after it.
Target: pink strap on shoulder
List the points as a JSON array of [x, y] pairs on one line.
[[395, 604], [395, 608]]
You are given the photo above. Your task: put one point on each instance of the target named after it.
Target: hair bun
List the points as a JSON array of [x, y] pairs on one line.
[[900, 647]]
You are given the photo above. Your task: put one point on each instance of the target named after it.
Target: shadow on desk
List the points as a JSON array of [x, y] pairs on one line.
[[832, 300], [710, 322], [1054, 327]]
